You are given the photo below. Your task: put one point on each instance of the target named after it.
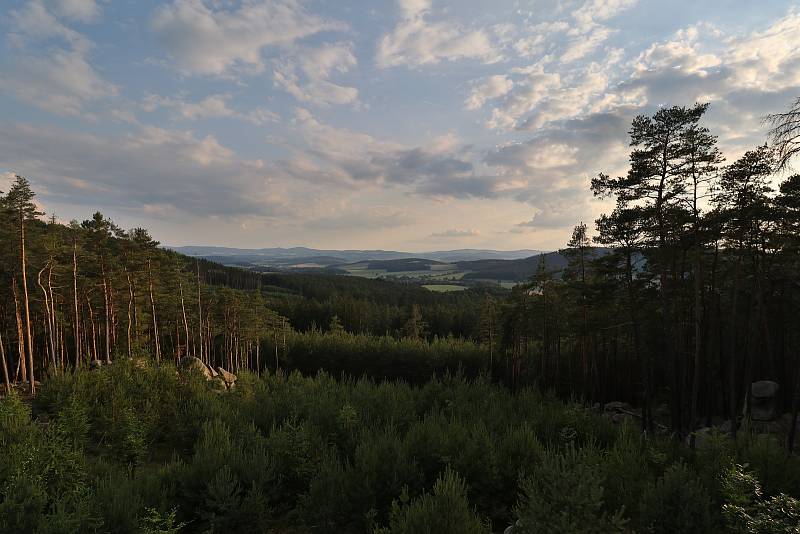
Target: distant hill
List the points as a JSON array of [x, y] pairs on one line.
[[466, 267], [511, 270], [288, 257]]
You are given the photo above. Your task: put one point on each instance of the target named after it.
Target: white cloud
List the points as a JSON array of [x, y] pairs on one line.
[[204, 38], [491, 88], [416, 40], [585, 44], [63, 83], [595, 11], [306, 75], [454, 233], [152, 167], [210, 107], [34, 23], [80, 10], [50, 68]]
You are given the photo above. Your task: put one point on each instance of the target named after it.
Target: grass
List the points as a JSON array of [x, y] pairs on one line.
[[444, 288]]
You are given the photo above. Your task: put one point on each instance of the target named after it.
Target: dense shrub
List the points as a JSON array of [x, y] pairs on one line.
[[129, 450], [445, 511], [565, 494]]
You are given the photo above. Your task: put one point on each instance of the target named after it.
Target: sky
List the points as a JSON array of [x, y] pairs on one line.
[[395, 124]]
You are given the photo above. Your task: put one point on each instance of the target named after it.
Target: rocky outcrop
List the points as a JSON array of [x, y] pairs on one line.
[[227, 376], [190, 362], [764, 400], [619, 411]]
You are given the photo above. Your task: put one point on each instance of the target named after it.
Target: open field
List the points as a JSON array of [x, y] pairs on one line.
[[444, 288]]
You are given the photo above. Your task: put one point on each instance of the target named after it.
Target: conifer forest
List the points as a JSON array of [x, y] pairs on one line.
[[651, 385]]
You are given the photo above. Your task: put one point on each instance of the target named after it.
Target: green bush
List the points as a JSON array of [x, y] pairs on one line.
[[445, 511], [565, 494], [747, 510], [677, 503]]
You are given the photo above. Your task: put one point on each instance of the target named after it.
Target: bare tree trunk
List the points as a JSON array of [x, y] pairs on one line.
[[48, 317], [107, 308], [94, 329], [130, 310], [22, 360], [77, 331], [54, 315], [734, 387], [6, 379], [199, 312], [27, 301], [699, 313], [153, 312], [185, 321]]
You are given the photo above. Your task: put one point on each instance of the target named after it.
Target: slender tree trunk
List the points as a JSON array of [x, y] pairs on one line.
[[48, 317], [699, 313], [156, 341], [107, 310], [734, 388], [6, 378], [77, 329], [22, 360], [199, 312], [795, 399], [55, 334], [94, 329], [130, 310], [185, 321], [29, 334]]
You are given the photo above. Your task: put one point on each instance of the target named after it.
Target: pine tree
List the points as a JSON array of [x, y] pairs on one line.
[[20, 205]]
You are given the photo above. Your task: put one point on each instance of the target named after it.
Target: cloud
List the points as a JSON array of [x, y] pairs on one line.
[[80, 10], [63, 82], [338, 155], [153, 170], [205, 38], [457, 233], [210, 107], [593, 12], [348, 217], [49, 68], [417, 41], [306, 75], [491, 88]]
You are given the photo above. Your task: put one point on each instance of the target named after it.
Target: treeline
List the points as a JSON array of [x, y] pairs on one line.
[[411, 359], [91, 291], [374, 307], [697, 294]]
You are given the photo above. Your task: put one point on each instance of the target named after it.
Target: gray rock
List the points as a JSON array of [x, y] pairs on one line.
[[764, 389], [190, 362], [701, 436], [617, 406], [763, 400], [227, 376]]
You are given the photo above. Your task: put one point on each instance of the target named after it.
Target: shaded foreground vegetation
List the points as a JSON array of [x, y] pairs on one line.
[[138, 448]]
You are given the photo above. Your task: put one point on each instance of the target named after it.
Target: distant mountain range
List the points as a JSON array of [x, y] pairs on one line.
[[298, 255]]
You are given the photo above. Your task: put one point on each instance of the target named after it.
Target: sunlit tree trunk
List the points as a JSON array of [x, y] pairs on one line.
[[22, 360], [77, 328]]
